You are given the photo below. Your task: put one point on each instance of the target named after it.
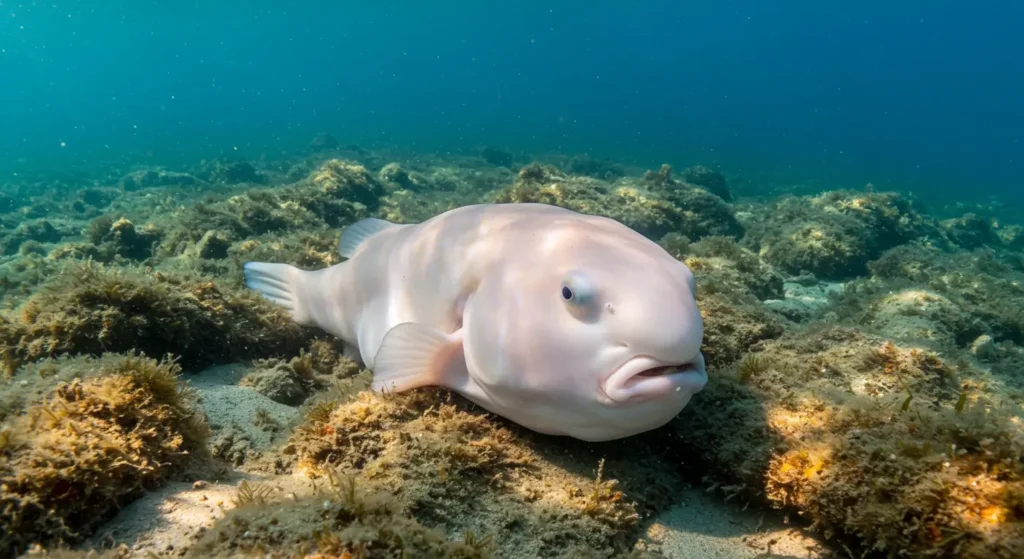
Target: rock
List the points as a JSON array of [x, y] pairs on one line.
[[983, 347], [278, 383], [154, 178], [710, 179], [213, 245]]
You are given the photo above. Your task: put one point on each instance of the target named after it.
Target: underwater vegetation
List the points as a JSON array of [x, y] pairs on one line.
[[70, 461], [864, 362], [90, 309]]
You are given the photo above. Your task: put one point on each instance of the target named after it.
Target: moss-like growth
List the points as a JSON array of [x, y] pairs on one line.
[[927, 452], [342, 519], [732, 325], [604, 169], [291, 382], [341, 193], [226, 171], [89, 309], [394, 174], [731, 268], [151, 178], [308, 250], [972, 231], [120, 237], [836, 234], [456, 469], [969, 294], [651, 212], [41, 230], [68, 463], [497, 156], [711, 179]]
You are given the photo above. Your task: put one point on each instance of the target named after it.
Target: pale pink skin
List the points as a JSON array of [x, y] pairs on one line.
[[492, 276]]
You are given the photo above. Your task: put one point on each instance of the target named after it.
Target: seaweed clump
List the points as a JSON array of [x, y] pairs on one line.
[[90, 309], [68, 463]]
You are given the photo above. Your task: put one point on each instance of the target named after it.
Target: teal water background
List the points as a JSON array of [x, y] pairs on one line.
[[909, 95]]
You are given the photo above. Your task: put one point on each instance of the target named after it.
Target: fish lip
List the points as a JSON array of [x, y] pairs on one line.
[[628, 381]]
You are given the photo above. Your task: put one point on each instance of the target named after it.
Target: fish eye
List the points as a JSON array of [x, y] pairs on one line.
[[567, 293], [580, 297]]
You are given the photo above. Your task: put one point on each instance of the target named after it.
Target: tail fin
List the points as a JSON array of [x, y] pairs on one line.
[[279, 283]]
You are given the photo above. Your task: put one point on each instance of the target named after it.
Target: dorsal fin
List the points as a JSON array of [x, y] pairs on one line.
[[357, 233]]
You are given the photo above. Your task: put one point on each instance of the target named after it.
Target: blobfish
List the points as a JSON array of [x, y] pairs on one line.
[[565, 323]]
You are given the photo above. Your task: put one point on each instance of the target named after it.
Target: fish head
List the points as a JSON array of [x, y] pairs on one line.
[[598, 326]]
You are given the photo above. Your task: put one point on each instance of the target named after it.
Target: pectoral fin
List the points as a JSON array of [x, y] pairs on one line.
[[412, 355]]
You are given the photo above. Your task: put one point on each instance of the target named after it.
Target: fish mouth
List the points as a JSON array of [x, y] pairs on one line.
[[643, 377]]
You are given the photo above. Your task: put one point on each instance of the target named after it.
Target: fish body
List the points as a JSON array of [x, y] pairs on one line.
[[568, 324]]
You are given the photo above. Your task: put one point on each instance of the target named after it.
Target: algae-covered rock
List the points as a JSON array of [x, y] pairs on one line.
[[89, 309], [120, 237], [835, 235], [497, 156], [224, 171], [703, 214], [277, 383], [711, 179], [339, 192], [40, 230], [213, 245], [985, 294], [604, 169], [452, 467], [972, 231], [308, 250], [652, 209], [832, 417], [727, 267], [394, 174], [151, 178], [68, 463]]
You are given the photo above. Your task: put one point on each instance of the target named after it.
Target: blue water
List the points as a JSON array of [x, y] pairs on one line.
[[910, 95]]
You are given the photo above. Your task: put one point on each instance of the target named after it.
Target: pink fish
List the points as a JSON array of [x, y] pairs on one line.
[[568, 324]]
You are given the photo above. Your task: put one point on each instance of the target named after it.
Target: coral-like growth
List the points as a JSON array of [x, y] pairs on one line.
[[71, 461]]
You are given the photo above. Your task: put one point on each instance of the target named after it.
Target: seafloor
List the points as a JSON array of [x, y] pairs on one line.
[[865, 398]]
